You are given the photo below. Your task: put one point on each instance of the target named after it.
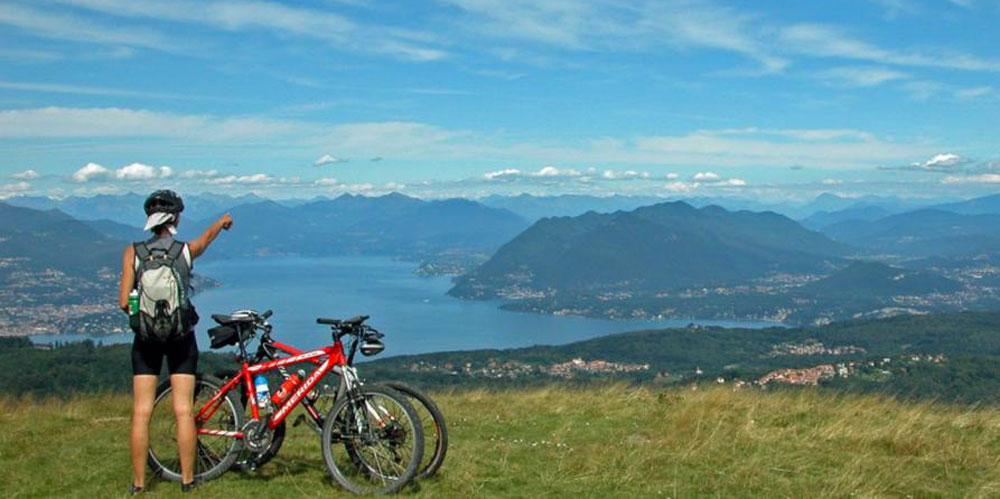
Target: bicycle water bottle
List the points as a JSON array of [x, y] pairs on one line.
[[133, 302], [263, 392], [286, 389]]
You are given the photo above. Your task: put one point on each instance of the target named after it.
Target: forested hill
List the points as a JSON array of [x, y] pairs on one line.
[[658, 247]]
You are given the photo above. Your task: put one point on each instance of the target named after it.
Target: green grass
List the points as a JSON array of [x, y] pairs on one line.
[[555, 441]]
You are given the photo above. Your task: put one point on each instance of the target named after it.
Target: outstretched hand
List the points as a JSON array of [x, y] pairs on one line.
[[226, 221]]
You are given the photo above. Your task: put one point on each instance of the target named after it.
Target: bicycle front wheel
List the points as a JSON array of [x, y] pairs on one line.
[[373, 441], [215, 453]]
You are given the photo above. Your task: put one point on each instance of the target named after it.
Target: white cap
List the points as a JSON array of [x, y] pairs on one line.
[[160, 218]]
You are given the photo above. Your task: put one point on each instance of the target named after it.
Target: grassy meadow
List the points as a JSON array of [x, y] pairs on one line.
[[556, 441]]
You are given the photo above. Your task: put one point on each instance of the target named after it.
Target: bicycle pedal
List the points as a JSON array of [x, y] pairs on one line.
[[299, 420]]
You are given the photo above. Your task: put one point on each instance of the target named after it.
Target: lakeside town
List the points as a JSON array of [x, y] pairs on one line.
[[805, 376], [49, 301]]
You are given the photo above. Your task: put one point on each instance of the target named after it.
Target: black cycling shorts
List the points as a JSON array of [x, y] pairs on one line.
[[182, 356]]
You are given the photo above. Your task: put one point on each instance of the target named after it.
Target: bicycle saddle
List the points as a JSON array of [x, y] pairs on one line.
[[238, 316], [352, 322]]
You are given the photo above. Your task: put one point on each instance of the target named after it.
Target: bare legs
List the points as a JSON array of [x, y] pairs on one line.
[[187, 438], [143, 396]]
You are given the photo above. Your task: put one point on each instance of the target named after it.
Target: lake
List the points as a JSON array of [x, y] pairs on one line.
[[413, 311]]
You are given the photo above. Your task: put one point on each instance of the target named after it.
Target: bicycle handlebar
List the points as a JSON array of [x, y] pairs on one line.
[[267, 314]]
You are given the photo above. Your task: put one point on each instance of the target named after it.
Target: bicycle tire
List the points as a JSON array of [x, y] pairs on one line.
[[339, 423], [439, 432], [207, 467]]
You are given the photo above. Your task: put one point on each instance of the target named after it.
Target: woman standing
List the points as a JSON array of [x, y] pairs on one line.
[[158, 270]]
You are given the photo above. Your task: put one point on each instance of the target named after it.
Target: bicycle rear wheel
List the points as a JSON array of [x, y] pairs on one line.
[[432, 422], [215, 454], [372, 441]]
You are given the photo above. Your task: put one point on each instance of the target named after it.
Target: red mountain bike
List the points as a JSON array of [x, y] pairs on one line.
[[372, 439], [320, 401]]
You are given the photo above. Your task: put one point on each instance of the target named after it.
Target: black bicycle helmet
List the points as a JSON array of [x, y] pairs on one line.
[[163, 201]]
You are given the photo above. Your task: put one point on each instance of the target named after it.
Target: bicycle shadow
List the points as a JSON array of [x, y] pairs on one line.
[[287, 466]]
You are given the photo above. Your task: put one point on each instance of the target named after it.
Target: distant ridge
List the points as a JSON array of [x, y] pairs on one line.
[[923, 233]]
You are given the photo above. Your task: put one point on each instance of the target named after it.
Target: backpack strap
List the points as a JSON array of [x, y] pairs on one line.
[[174, 251], [141, 251]]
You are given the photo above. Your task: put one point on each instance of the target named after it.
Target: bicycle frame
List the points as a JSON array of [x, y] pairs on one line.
[[334, 358]]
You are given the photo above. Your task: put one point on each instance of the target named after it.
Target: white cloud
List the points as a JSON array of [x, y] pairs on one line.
[[608, 26], [199, 173], [983, 178], [285, 20], [502, 174], [974, 92], [855, 76], [832, 181], [922, 90], [551, 171], [131, 172], [88, 90], [16, 187], [545, 172], [89, 172], [945, 159], [117, 122], [139, 171], [710, 176], [25, 175], [326, 159], [394, 186], [65, 26], [826, 41], [680, 186], [334, 185], [730, 182], [625, 175], [257, 178]]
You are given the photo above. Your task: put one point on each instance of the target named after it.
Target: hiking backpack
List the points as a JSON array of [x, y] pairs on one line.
[[165, 313]]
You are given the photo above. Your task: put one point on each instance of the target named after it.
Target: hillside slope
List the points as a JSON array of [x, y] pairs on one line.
[[53, 239], [597, 442]]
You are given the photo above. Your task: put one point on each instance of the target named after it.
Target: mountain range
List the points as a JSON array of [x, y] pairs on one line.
[[393, 224]]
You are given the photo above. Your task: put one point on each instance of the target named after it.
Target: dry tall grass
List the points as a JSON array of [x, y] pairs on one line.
[[554, 441]]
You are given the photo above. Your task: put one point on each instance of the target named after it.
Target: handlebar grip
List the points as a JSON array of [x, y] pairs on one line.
[[329, 322], [267, 314]]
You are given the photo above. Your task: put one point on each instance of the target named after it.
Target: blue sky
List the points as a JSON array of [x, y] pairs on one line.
[[771, 100]]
